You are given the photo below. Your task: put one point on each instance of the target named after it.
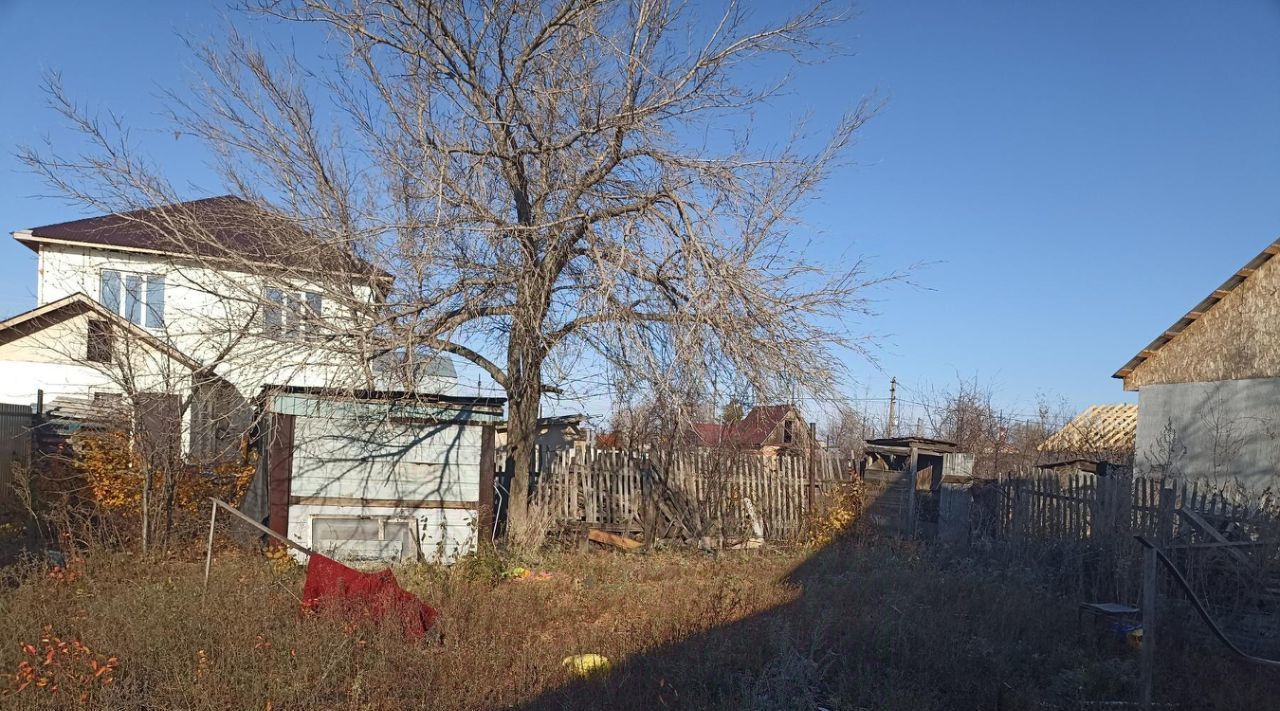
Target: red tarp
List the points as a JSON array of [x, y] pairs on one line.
[[333, 587]]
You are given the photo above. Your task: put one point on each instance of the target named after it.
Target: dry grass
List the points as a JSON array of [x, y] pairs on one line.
[[875, 626]]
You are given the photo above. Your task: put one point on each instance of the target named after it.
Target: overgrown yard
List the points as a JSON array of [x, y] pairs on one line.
[[852, 626]]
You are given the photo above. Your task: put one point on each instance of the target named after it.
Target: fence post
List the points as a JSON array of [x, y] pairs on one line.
[[911, 491], [1164, 514], [813, 463], [648, 507], [1019, 510], [1099, 511], [1146, 677], [208, 556], [488, 475]]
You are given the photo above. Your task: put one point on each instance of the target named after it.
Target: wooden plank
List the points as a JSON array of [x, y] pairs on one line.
[[279, 472], [812, 483], [1213, 533], [1165, 514], [912, 463], [1221, 544], [1150, 596], [488, 471], [387, 503]]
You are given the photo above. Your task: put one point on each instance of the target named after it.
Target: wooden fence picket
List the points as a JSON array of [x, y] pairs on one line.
[[611, 489]]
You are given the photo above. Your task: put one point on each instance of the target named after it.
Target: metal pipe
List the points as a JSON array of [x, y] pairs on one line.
[[208, 554]]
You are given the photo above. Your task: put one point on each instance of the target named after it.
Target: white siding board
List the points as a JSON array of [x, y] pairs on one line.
[[208, 311], [337, 458]]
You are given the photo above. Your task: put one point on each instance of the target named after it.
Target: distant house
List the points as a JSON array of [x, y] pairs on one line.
[[554, 433], [1209, 385], [1102, 434], [766, 429], [563, 431]]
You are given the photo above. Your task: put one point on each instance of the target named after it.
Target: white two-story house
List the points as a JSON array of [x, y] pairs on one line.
[[196, 307]]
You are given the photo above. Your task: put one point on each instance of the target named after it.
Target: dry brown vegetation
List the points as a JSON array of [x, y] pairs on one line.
[[855, 625]]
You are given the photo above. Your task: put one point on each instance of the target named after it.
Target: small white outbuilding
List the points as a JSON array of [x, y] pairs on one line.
[[385, 476]]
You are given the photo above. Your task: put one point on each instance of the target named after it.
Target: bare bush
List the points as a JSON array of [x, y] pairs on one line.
[[1001, 441]]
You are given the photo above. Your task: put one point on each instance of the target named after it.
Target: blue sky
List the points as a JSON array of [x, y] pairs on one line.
[[1077, 174]]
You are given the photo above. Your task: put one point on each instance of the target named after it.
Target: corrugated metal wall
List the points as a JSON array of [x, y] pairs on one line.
[[15, 448], [1227, 431]]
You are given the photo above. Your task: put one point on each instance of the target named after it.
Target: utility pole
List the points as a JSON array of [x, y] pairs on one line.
[[893, 406]]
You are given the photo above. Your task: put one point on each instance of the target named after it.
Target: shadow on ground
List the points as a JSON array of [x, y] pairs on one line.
[[881, 626]]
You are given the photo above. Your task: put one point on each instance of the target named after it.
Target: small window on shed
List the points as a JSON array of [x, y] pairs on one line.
[[354, 538], [788, 431], [99, 345]]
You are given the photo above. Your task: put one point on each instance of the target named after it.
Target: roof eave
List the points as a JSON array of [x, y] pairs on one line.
[[84, 300], [1198, 311], [26, 239], [32, 242]]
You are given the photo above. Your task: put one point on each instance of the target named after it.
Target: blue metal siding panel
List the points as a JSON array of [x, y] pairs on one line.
[[377, 459], [374, 410]]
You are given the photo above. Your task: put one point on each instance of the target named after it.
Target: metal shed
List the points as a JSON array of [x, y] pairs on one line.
[[376, 475]]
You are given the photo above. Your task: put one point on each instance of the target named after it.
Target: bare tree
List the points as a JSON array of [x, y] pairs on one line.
[[846, 431], [1000, 441], [533, 182]]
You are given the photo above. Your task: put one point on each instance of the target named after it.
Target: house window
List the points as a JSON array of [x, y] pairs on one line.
[[788, 431], [362, 538], [99, 345], [139, 298], [292, 314]]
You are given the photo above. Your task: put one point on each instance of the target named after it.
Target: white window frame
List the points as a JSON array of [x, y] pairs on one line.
[[145, 290], [296, 316], [412, 522]]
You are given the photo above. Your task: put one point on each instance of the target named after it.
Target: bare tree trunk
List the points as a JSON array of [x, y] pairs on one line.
[[168, 495], [526, 353], [146, 507], [522, 422], [524, 393]]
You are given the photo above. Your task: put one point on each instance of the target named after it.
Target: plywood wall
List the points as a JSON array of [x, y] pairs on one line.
[[1237, 338]]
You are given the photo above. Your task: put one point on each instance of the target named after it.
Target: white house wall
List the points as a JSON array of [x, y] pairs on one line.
[[53, 359], [208, 313], [21, 381]]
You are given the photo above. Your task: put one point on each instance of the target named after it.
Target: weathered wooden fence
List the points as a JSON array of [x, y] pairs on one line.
[[1052, 506], [691, 495], [1083, 526], [889, 499]]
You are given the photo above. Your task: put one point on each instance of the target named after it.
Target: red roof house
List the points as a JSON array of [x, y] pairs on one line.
[[768, 429]]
